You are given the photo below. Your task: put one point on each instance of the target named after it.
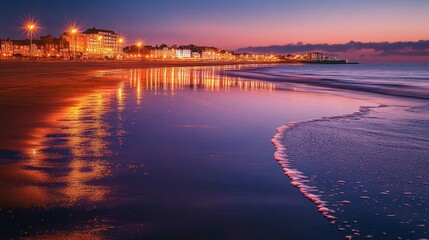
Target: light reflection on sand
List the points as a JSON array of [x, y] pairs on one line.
[[63, 161], [173, 79], [91, 234], [70, 155]]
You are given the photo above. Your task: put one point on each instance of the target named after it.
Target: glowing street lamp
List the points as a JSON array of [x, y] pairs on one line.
[[120, 41], [139, 44], [30, 28], [99, 45], [73, 32]]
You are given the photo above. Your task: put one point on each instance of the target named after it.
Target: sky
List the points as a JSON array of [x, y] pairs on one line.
[[228, 24]]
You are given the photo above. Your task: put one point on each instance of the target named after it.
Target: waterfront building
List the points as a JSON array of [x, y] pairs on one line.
[[94, 43], [315, 56], [6, 48], [209, 55], [163, 53], [196, 55], [21, 48], [102, 43], [183, 53], [46, 47], [76, 43], [55, 47], [217, 55]]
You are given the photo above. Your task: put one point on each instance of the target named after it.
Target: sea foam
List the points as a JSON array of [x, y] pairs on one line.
[[298, 179]]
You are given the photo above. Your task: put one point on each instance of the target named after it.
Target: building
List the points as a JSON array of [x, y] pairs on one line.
[[183, 53], [55, 47], [21, 48], [6, 48], [94, 43], [46, 47], [163, 53], [102, 43], [315, 56], [196, 55], [209, 54], [77, 44]]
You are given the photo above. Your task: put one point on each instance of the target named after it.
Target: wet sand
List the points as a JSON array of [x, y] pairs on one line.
[[32, 94], [155, 153]]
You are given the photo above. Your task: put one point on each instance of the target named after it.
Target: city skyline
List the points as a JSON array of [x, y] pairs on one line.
[[229, 25]]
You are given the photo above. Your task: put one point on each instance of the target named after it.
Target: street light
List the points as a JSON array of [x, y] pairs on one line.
[[120, 41], [139, 44], [73, 32], [99, 45], [30, 28]]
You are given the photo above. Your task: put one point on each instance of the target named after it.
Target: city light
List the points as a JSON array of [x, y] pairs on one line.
[[120, 42], [31, 28], [100, 38], [139, 44], [96, 43], [73, 31]]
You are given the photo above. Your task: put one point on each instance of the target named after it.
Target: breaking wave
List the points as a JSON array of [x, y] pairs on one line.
[[298, 179]]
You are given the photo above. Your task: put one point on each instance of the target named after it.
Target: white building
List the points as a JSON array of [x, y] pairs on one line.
[[183, 53], [315, 56]]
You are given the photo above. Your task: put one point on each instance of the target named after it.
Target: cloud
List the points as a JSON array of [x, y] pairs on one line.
[[376, 51]]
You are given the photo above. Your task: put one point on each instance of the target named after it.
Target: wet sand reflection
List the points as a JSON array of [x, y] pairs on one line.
[[64, 165], [59, 169]]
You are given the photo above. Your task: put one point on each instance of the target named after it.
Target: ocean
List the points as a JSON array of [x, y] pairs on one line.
[[400, 80], [366, 171]]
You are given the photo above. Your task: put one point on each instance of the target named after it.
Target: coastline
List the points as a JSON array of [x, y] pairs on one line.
[[120, 64], [298, 179]]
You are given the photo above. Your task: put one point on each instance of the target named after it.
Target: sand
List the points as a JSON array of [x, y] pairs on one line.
[[165, 152], [32, 94]]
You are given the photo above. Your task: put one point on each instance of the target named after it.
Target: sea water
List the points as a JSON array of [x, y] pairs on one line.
[[367, 172]]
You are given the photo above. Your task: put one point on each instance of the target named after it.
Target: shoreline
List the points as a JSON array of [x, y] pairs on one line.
[[295, 157], [118, 64]]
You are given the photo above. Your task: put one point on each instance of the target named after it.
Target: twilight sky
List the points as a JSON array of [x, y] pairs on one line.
[[229, 24]]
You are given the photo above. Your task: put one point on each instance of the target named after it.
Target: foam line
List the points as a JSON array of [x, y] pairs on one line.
[[298, 179]]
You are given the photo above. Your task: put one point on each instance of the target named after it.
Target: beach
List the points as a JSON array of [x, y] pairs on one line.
[[40, 88], [173, 150]]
